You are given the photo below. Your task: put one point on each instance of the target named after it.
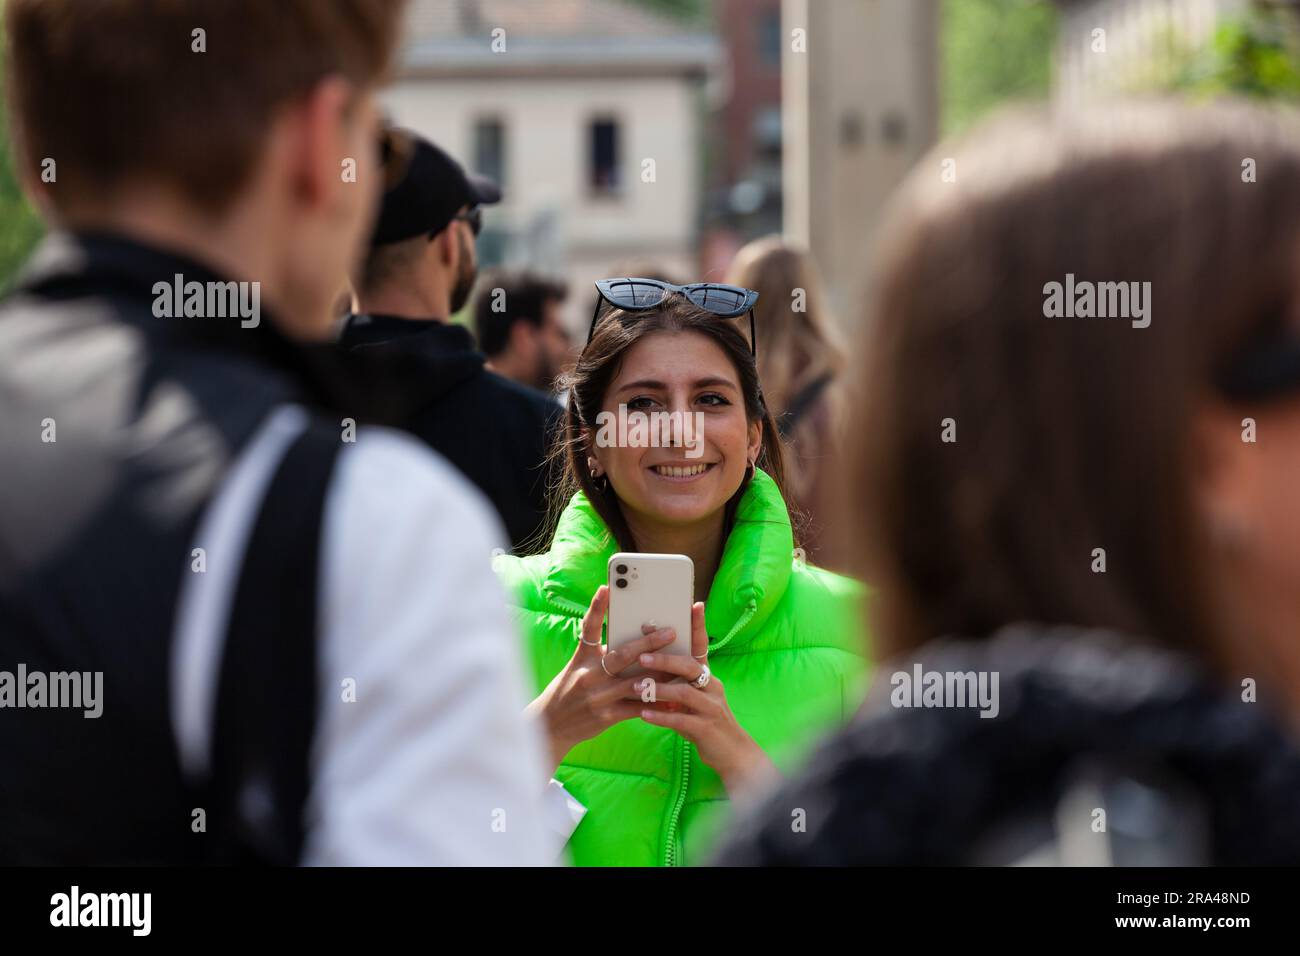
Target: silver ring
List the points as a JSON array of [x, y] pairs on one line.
[[702, 681], [701, 657], [590, 643], [603, 667]]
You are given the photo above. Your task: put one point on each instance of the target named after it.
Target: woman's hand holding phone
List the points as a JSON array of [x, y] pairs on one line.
[[590, 694], [702, 714]]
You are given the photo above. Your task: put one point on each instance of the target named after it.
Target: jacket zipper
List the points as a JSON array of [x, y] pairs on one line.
[[683, 780], [684, 764], [567, 606], [684, 761]]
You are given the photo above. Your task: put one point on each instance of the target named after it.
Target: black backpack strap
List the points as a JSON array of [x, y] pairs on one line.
[[267, 695], [801, 403]]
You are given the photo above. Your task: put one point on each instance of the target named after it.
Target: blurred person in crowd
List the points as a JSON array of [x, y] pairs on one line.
[[420, 270], [776, 643], [800, 361], [521, 330], [1081, 498], [195, 546]]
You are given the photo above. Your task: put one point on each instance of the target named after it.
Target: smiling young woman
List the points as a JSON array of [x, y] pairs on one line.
[[782, 640]]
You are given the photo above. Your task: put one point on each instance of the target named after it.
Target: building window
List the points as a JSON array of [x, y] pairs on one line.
[[490, 150], [603, 177], [769, 37]]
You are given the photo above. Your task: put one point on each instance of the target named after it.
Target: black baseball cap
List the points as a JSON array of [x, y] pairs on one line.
[[430, 189]]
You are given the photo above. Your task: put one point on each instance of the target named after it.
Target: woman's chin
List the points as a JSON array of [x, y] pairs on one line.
[[679, 503], [683, 509]]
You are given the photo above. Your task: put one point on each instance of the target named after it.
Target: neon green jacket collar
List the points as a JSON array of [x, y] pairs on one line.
[[751, 579]]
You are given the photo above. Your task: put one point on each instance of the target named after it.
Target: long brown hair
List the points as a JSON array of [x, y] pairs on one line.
[[587, 384], [796, 346], [1071, 434]]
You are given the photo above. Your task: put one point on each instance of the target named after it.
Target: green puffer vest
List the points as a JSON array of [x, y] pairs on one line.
[[786, 639]]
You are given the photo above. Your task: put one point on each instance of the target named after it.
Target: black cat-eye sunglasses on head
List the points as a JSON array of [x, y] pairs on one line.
[[638, 295]]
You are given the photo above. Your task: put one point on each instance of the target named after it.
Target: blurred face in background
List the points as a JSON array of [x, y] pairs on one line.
[[327, 216], [546, 347], [256, 182], [1248, 480], [686, 372]]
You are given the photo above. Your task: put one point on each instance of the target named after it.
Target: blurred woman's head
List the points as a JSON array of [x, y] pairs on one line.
[[1017, 464], [797, 340], [680, 359]]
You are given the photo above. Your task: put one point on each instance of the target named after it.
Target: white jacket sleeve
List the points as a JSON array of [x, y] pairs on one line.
[[422, 755]]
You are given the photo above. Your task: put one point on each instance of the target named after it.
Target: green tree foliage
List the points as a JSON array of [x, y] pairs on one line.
[[19, 226], [1257, 55], [994, 51]]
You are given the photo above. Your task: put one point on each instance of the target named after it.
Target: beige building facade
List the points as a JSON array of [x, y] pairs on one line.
[[588, 112]]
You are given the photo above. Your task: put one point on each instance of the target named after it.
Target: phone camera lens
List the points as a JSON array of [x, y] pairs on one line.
[[621, 582], [621, 569]]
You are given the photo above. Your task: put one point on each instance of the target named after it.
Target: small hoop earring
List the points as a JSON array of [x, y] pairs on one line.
[[598, 479]]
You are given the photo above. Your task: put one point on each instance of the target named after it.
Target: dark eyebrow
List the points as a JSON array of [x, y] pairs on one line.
[[702, 383]]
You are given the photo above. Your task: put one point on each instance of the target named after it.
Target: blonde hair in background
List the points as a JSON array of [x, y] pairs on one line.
[[798, 345], [798, 341]]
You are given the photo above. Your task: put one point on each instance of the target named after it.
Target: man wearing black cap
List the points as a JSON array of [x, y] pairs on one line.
[[420, 270]]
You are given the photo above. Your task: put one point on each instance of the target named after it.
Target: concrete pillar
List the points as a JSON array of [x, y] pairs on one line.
[[860, 105]]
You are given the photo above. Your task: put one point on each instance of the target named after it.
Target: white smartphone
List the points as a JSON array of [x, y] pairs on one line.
[[645, 588]]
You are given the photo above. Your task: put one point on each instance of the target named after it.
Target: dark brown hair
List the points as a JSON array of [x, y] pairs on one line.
[[113, 90], [1071, 433], [589, 382], [524, 295]]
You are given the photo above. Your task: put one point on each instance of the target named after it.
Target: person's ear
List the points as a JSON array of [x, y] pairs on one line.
[[755, 444], [1224, 464], [448, 244], [471, 244], [523, 338], [320, 131], [595, 465]]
